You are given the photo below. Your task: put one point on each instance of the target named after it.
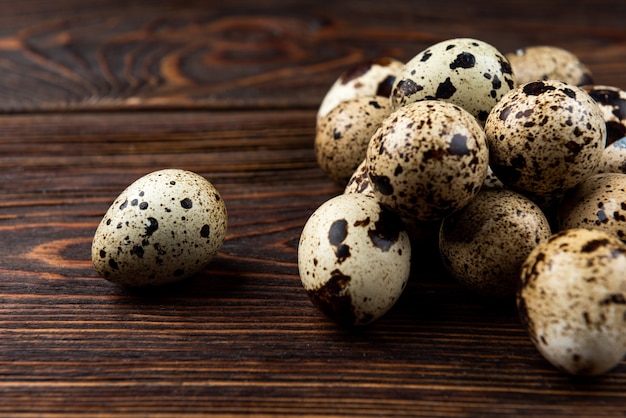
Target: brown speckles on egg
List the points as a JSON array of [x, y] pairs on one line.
[[547, 62], [443, 155], [343, 134], [354, 258], [464, 71], [545, 137], [598, 202], [368, 78], [570, 300], [612, 103], [142, 242]]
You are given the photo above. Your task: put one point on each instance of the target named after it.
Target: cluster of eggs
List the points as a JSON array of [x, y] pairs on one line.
[[504, 163]]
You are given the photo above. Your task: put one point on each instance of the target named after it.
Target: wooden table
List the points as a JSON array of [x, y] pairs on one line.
[[94, 94]]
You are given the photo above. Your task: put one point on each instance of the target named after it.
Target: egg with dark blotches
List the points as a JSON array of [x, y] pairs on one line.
[[547, 62], [545, 137], [372, 77], [342, 135], [572, 300], [598, 202], [612, 103], [484, 244], [164, 227], [467, 72], [427, 159], [354, 258]]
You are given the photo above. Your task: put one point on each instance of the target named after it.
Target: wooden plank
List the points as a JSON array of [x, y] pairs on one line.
[[242, 336], [112, 54]]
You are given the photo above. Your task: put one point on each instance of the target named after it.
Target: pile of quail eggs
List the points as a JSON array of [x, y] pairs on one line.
[[512, 165]]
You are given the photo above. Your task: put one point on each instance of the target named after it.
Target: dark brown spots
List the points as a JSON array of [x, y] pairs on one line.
[[426, 56], [134, 202], [382, 184], [124, 205], [364, 222], [536, 88], [103, 254], [445, 89], [463, 60], [337, 233], [385, 86], [172, 182], [569, 92], [601, 217], [186, 203], [113, 264], [398, 170], [375, 104], [483, 115], [143, 205], [336, 134], [458, 145], [407, 88], [386, 229], [137, 250], [152, 226], [496, 83], [593, 245], [333, 300], [205, 231], [614, 299], [434, 154], [504, 113]]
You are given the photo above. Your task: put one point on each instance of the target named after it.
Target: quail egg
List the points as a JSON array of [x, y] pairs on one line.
[[484, 244], [343, 134], [614, 158], [546, 62], [598, 202], [368, 78], [164, 227], [427, 159], [545, 137], [354, 258], [572, 300], [467, 72]]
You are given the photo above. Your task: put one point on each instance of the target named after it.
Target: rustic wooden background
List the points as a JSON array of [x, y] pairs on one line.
[[94, 94]]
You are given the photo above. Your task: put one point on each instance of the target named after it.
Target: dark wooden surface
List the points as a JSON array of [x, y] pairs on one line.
[[94, 94]]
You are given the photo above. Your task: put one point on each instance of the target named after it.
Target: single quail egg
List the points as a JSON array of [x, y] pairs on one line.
[[354, 258], [343, 134], [572, 300], [545, 62], [614, 158], [467, 72], [612, 103], [598, 202], [545, 137], [484, 244], [427, 159], [368, 78], [166, 226]]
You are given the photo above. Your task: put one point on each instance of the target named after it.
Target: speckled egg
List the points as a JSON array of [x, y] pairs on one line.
[[546, 62], [467, 72], [165, 227], [343, 134], [614, 158], [484, 244], [612, 103], [360, 181], [354, 258], [368, 78], [491, 180], [427, 159], [572, 300], [598, 202], [545, 137]]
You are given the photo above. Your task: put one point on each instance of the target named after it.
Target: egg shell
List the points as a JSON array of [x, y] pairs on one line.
[[572, 300], [354, 258], [484, 244], [343, 134], [491, 180], [612, 103], [467, 72], [599, 202], [545, 137], [372, 77], [163, 228], [614, 158], [547, 62], [427, 159], [360, 181]]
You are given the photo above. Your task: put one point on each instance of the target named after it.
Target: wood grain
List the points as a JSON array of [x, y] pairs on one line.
[[95, 94]]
